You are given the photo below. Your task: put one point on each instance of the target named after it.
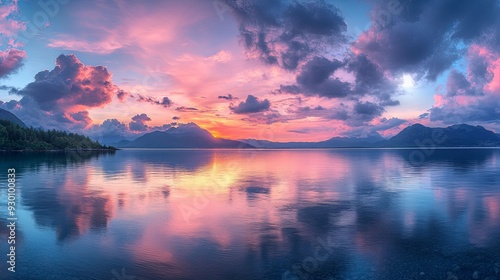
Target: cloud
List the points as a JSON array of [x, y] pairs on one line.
[[222, 57], [359, 113], [423, 116], [458, 84], [10, 90], [80, 119], [377, 128], [265, 118], [251, 105], [9, 26], [12, 58], [101, 47], [10, 61], [60, 98], [228, 97], [370, 80], [112, 130], [186, 109], [111, 127], [10, 105], [386, 124], [138, 122], [71, 84], [165, 101], [424, 37], [121, 95], [286, 34], [471, 97], [305, 131], [315, 79]]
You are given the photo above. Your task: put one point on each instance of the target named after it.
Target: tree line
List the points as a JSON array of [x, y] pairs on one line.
[[14, 138]]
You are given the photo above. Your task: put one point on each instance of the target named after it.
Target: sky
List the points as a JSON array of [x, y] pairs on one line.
[[265, 69]]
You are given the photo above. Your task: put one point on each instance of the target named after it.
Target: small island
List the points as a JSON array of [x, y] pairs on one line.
[[14, 137]]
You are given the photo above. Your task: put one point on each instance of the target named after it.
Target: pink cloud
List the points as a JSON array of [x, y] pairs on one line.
[[492, 59], [61, 98], [8, 26], [10, 61], [101, 47], [145, 31], [439, 100]]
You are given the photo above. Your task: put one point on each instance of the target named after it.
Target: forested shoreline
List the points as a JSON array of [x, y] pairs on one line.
[[16, 138]]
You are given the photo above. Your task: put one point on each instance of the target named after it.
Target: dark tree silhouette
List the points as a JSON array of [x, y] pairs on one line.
[[13, 138]]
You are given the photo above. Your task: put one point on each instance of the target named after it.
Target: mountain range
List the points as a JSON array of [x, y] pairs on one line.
[[461, 135], [191, 135], [184, 136], [417, 135]]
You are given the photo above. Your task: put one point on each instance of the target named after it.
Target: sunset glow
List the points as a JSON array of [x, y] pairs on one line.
[[225, 66]]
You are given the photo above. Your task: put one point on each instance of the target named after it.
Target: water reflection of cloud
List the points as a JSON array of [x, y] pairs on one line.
[[65, 203], [270, 209]]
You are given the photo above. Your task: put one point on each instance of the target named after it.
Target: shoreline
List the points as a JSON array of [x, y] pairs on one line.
[[62, 150]]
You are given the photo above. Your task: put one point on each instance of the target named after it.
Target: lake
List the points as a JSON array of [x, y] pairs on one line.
[[254, 214]]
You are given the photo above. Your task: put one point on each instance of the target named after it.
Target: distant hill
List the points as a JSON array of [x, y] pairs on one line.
[[461, 135], [8, 116], [185, 136], [417, 135], [335, 142]]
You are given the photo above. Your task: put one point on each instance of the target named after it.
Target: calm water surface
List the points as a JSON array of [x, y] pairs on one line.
[[245, 214]]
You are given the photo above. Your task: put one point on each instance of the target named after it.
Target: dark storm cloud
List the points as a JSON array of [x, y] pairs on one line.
[[315, 78], [287, 33], [368, 110], [316, 71], [360, 113], [424, 37], [10, 61], [293, 34], [370, 80], [138, 122], [251, 105]]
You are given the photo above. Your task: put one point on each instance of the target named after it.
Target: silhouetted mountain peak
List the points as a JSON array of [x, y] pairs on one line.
[[8, 116], [189, 128], [467, 127], [417, 125], [188, 135], [459, 135]]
